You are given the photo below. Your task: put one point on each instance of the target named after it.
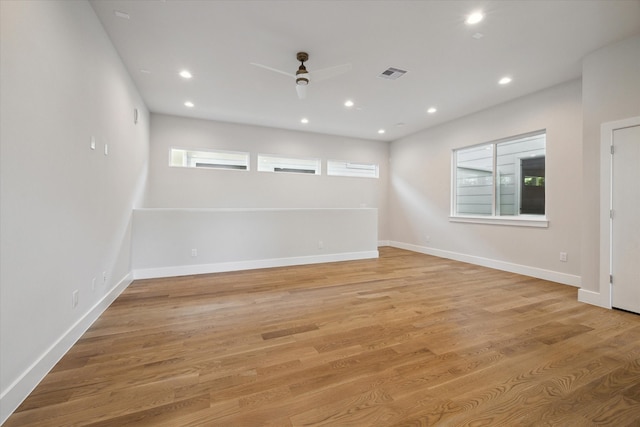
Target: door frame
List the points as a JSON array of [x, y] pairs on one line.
[[606, 203]]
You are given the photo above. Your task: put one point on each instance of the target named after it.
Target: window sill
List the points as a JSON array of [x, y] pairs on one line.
[[516, 221]]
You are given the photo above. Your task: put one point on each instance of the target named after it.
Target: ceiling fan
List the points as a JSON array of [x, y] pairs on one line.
[[303, 77]]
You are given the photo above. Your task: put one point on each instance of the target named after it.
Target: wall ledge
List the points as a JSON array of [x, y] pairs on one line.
[[188, 270], [247, 209]]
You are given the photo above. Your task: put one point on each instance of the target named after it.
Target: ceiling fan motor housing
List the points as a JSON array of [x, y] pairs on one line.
[[302, 75]]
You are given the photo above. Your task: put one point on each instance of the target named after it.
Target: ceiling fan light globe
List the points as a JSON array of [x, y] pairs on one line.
[[302, 91]]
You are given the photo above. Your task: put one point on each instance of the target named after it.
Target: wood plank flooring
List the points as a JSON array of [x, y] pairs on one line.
[[403, 340]]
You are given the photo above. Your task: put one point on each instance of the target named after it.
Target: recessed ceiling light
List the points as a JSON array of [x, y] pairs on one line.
[[380, 131], [474, 18], [432, 110], [189, 104], [185, 74], [304, 120], [348, 103], [504, 80]]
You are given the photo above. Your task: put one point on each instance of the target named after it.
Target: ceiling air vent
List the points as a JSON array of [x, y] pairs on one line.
[[391, 73]]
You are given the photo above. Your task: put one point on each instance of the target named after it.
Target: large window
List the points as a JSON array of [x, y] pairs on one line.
[[502, 179]]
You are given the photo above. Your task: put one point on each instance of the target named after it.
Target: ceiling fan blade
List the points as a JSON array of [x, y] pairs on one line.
[[302, 91], [275, 70], [327, 73]]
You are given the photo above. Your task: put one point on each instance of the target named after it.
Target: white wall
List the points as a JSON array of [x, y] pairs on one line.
[[171, 187], [420, 186], [66, 209], [610, 92], [164, 240]]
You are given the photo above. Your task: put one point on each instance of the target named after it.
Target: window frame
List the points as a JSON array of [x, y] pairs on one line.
[[374, 167], [522, 220], [318, 163], [221, 167]]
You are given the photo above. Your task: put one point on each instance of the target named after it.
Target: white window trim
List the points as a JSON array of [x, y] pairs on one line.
[[538, 221]]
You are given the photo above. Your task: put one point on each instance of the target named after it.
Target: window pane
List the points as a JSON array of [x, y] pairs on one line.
[[520, 164], [532, 186], [209, 159], [341, 168], [287, 164], [474, 180]]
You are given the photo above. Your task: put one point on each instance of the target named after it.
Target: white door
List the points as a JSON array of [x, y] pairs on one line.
[[625, 225]]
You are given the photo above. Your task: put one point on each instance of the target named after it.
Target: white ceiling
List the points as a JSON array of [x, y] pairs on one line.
[[538, 43]]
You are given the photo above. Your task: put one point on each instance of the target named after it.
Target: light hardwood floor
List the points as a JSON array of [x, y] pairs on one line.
[[406, 339]]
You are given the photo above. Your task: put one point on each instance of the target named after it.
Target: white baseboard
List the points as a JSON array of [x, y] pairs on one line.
[[187, 270], [540, 273], [20, 389], [594, 298], [383, 243]]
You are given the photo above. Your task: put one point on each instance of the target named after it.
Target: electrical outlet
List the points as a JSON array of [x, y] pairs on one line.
[[74, 299], [563, 256], [320, 244], [194, 252], [427, 238]]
